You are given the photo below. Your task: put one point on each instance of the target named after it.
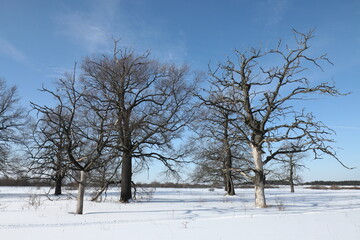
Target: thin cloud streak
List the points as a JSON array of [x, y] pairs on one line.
[[8, 49], [84, 31], [94, 30], [91, 29]]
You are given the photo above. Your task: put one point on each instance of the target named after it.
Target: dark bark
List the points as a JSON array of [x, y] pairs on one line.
[[59, 175], [228, 159], [229, 184], [58, 185], [126, 175], [225, 181], [230, 189]]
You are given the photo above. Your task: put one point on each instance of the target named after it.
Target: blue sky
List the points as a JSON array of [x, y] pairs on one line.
[[40, 40]]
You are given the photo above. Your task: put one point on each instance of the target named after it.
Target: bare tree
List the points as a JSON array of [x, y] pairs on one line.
[[218, 149], [290, 163], [264, 99], [97, 117], [84, 142], [12, 121], [147, 102], [48, 159]]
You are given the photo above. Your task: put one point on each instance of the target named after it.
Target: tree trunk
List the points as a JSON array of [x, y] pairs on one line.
[[59, 175], [259, 183], [259, 180], [291, 177], [81, 192], [126, 175], [225, 182], [292, 188], [230, 190], [58, 185], [229, 184], [224, 175]]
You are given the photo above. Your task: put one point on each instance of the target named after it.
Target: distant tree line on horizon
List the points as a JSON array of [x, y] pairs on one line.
[[124, 110], [21, 182]]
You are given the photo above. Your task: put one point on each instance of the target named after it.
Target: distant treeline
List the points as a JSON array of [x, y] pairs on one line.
[[6, 181], [174, 185], [331, 183], [269, 183]]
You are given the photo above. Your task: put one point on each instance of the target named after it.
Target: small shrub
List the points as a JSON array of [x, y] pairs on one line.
[[146, 193], [280, 204], [34, 201], [2, 206]]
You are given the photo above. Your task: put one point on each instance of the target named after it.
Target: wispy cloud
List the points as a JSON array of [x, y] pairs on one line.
[[93, 29], [271, 12], [84, 31], [90, 29], [8, 49]]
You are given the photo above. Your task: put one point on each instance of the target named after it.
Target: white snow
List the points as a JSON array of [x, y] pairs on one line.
[[27, 213]]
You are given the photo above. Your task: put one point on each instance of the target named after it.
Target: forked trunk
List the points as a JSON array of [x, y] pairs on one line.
[[259, 180], [126, 174], [81, 192]]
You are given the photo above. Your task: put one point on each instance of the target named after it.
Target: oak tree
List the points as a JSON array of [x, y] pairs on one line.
[[147, 103], [264, 88]]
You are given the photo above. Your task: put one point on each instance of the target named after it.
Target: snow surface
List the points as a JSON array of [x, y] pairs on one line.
[[28, 213]]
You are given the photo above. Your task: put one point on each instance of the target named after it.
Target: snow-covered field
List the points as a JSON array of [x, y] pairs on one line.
[[27, 213]]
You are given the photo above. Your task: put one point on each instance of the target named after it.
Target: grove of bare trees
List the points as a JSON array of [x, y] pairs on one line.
[[124, 110]]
